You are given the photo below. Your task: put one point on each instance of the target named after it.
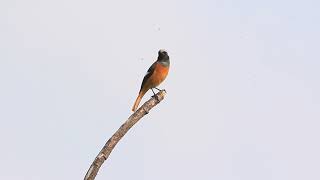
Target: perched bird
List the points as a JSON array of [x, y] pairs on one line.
[[157, 72]]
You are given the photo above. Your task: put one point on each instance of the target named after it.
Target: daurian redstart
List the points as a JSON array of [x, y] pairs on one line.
[[157, 72]]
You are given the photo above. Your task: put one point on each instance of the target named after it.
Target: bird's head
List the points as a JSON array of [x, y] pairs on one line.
[[162, 54]]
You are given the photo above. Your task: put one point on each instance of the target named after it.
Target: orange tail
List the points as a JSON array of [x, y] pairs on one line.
[[136, 103]]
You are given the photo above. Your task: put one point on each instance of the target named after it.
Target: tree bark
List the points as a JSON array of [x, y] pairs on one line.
[[115, 138]]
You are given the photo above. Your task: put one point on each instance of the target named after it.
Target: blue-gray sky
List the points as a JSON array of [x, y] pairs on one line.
[[243, 96]]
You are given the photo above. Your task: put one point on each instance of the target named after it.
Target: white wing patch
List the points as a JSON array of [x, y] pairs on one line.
[[147, 73]]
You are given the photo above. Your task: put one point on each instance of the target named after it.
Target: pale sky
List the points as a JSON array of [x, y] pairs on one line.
[[242, 101]]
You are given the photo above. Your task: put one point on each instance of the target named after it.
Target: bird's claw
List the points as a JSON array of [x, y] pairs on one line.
[[156, 97]]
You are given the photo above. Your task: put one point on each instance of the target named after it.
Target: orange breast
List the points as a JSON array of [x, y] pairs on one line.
[[159, 74]]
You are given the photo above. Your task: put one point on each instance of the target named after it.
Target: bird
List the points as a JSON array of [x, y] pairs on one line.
[[155, 75]]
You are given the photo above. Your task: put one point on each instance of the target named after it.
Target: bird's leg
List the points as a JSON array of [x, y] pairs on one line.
[[154, 95], [160, 89], [153, 92]]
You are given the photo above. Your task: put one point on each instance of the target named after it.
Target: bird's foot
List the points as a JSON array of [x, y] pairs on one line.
[[156, 97]]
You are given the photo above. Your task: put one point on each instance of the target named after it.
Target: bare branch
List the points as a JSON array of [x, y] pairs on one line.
[[111, 143]]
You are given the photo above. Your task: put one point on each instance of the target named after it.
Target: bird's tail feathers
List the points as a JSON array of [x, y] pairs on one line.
[[136, 103]]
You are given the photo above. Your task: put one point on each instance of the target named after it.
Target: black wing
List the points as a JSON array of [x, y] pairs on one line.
[[149, 73]]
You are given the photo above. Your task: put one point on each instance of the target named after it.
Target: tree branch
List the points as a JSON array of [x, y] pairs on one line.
[[115, 138]]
